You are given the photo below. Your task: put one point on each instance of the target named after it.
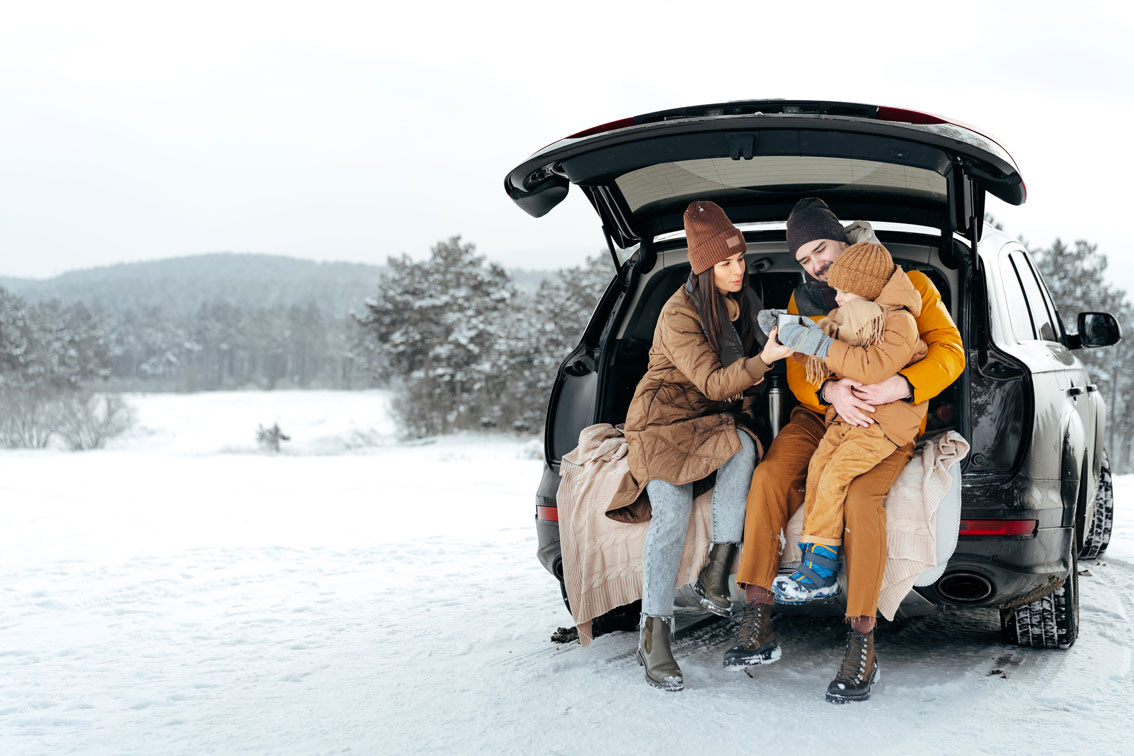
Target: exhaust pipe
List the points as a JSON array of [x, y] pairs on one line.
[[964, 587]]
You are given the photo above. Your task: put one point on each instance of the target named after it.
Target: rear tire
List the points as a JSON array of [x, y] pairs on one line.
[[1049, 622], [1099, 528]]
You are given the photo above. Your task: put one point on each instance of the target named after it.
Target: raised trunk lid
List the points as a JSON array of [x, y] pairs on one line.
[[758, 158]]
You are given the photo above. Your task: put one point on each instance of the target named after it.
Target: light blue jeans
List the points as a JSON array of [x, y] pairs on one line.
[[672, 505]]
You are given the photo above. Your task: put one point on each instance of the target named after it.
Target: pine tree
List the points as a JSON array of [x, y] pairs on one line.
[[439, 321], [553, 323]]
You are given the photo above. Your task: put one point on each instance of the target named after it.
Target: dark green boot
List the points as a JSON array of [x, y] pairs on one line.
[[712, 582], [655, 655]]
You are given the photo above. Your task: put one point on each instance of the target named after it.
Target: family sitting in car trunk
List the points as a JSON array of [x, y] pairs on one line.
[[867, 346]]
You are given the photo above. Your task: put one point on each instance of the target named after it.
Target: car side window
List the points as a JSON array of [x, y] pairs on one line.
[[1017, 304], [1036, 299], [1053, 312]]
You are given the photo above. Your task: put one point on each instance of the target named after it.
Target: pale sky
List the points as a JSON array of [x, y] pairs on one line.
[[354, 131]]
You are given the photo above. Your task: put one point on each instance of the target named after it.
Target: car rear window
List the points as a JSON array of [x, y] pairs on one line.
[[685, 180]]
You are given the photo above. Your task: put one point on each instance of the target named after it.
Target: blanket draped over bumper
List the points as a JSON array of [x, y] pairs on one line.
[[602, 558]]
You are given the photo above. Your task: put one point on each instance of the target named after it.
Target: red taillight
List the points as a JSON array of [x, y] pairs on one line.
[[908, 116], [551, 514], [621, 123], [901, 115], [998, 527]]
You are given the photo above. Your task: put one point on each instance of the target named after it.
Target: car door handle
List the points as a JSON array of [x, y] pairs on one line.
[[1092, 387], [1075, 390]]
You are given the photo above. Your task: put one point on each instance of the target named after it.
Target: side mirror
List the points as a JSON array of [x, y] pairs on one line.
[[1098, 329]]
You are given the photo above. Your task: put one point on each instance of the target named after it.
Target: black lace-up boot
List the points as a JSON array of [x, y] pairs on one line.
[[712, 582], [655, 655], [755, 641], [858, 671]]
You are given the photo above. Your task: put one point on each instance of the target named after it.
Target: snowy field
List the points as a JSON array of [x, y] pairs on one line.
[[184, 593]]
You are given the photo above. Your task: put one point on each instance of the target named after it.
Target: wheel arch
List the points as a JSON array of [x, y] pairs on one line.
[[1073, 473]]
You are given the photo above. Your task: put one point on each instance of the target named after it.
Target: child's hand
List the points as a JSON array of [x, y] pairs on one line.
[[805, 339], [840, 395], [892, 389]]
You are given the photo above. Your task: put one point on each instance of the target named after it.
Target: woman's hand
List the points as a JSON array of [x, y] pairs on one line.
[[774, 350]]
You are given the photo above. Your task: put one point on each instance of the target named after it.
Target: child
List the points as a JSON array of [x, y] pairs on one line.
[[869, 338]]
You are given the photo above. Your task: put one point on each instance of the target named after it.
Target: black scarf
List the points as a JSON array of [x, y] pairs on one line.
[[813, 297]]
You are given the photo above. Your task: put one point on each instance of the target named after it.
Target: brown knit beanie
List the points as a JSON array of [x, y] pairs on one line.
[[710, 235], [809, 220], [861, 269]]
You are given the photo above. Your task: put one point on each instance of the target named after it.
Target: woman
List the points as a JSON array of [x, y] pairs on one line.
[[686, 421]]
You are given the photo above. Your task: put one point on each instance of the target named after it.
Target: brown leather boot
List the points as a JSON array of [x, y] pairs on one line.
[[857, 673], [712, 582], [755, 639], [655, 655]]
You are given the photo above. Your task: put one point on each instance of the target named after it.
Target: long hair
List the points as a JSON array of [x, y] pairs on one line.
[[709, 302]]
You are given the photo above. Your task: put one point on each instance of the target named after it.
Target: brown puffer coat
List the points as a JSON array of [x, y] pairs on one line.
[[681, 425]]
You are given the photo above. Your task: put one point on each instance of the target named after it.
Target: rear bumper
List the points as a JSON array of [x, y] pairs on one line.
[[549, 553], [1017, 570], [547, 531]]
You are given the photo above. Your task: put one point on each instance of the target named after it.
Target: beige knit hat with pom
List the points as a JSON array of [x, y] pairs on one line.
[[862, 269]]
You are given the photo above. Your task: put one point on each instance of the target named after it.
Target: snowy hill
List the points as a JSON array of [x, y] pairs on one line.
[[185, 592], [181, 285]]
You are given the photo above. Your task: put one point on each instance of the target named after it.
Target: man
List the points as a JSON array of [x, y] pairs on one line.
[[816, 238]]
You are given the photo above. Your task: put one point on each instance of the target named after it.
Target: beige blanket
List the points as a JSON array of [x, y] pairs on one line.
[[602, 558], [911, 517]]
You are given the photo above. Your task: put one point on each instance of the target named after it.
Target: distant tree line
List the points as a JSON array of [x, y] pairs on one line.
[[223, 346]]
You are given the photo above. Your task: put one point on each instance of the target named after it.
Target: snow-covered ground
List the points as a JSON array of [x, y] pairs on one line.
[[184, 592]]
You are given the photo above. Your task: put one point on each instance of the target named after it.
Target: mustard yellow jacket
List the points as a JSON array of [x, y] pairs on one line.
[[942, 364]]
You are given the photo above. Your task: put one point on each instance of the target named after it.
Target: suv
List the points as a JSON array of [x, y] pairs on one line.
[[1035, 491]]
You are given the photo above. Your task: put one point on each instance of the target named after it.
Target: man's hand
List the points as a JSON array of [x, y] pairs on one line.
[[892, 389], [840, 394]]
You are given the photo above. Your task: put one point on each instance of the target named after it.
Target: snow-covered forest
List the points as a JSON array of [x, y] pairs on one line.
[[452, 325]]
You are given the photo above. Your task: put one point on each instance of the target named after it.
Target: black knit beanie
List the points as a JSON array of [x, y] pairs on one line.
[[809, 220]]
